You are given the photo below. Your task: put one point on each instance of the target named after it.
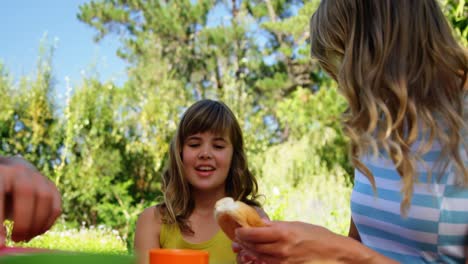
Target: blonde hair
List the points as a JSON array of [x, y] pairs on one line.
[[216, 117], [403, 74]]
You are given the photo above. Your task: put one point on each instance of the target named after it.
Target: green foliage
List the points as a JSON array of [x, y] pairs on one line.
[[317, 116], [298, 185], [7, 110], [307, 177], [297, 26], [456, 12], [107, 150], [28, 119]]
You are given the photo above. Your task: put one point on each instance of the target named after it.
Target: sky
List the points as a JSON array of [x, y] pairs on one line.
[[23, 23]]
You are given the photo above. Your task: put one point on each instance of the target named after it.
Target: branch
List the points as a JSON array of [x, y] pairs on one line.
[[271, 11], [127, 215]]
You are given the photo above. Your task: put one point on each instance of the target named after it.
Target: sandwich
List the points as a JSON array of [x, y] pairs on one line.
[[231, 214]]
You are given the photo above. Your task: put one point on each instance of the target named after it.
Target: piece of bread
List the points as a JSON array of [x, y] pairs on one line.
[[232, 214]]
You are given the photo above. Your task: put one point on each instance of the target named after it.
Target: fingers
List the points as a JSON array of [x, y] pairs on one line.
[[271, 243], [56, 207], [28, 198], [6, 183], [23, 204], [268, 234], [265, 259], [43, 207], [2, 215], [244, 256], [3, 233], [35, 209], [5, 188], [247, 256], [236, 247], [267, 251]]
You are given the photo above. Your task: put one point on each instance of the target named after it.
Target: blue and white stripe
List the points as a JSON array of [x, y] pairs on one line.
[[435, 229]]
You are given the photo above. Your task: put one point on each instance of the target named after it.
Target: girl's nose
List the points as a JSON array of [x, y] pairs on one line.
[[204, 154]]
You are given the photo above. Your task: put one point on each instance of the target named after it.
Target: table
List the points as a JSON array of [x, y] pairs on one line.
[[10, 255]]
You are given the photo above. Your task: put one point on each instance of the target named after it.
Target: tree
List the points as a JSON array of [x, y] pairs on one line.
[[456, 12], [28, 115]]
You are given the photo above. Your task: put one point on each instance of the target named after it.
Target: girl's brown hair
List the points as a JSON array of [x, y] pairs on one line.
[[404, 76], [216, 117]]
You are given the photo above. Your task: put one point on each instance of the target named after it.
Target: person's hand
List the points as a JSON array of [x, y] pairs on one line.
[[243, 256], [284, 242], [295, 242], [28, 198]]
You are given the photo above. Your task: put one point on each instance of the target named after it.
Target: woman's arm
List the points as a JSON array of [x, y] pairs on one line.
[[147, 232], [298, 242]]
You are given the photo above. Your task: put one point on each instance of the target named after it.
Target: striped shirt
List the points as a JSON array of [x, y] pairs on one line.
[[436, 227]]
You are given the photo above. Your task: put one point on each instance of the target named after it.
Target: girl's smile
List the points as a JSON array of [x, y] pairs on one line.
[[205, 170]]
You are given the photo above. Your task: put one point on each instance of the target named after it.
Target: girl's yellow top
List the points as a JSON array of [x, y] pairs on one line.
[[218, 247]]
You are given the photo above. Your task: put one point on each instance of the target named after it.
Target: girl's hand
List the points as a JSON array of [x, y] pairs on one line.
[[28, 198], [297, 242]]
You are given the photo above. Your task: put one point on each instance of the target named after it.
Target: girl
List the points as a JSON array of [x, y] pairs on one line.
[[206, 162], [405, 79]]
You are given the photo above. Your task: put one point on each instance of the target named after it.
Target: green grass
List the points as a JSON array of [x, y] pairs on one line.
[[99, 239]]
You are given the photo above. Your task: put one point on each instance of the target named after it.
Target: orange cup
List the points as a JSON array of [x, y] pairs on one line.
[[178, 256]]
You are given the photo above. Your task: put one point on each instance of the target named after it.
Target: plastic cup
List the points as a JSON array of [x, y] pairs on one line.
[[178, 256]]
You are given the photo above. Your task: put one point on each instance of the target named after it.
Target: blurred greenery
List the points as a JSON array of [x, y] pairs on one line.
[[456, 12], [105, 146], [96, 239]]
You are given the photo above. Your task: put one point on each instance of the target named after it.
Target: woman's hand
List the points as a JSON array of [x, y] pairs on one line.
[[28, 198], [285, 242], [243, 256], [297, 242]]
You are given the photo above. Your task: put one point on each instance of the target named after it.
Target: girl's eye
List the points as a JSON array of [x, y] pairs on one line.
[[193, 145], [219, 146]]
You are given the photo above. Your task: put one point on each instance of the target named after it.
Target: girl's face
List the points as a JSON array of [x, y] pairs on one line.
[[207, 159]]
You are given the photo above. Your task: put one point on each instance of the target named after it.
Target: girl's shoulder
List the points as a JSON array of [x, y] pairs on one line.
[[148, 230], [154, 211], [151, 218]]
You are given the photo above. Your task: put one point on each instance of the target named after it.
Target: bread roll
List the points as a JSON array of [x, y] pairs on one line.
[[232, 214]]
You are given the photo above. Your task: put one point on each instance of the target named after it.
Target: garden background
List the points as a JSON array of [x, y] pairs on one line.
[[105, 145]]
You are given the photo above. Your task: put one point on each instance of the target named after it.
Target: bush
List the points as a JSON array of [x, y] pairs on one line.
[[308, 176], [323, 201]]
